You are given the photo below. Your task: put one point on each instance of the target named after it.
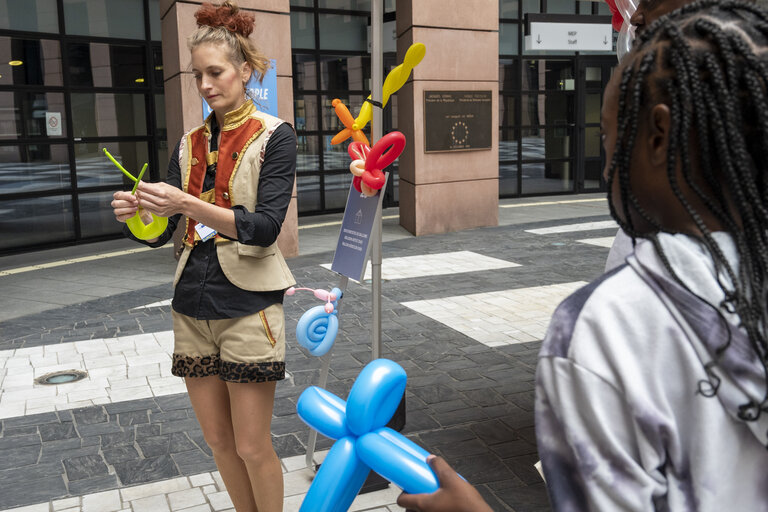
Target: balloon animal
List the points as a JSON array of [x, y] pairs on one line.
[[349, 125], [363, 441], [622, 11], [367, 163], [317, 328], [135, 224]]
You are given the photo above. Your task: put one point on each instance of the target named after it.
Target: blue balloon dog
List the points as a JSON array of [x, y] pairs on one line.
[[363, 442]]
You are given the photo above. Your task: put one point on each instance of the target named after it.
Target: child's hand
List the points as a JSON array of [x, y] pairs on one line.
[[455, 493]]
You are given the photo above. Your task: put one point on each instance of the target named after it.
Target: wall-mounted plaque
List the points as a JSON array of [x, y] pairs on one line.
[[457, 120]]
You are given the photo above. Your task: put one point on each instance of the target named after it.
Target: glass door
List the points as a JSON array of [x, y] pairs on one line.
[[594, 73]]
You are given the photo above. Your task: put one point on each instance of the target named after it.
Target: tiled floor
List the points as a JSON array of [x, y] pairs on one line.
[[499, 318], [443, 264]]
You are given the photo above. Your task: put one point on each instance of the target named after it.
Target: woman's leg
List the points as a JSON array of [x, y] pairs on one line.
[[251, 406], [210, 400]]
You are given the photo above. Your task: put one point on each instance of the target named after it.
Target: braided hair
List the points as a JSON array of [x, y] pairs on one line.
[[708, 62]]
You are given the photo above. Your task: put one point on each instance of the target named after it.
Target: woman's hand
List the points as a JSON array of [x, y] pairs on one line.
[[455, 493], [124, 205], [161, 199]]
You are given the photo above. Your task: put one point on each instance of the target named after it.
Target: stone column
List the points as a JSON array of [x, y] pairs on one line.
[[448, 191], [183, 107]]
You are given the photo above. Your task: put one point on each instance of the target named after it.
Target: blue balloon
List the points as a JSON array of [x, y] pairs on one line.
[[317, 329], [363, 441]]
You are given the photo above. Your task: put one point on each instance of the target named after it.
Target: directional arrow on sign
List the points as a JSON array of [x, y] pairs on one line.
[[538, 39], [605, 40]]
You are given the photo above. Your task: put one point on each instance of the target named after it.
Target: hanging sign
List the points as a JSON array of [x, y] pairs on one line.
[[569, 36]]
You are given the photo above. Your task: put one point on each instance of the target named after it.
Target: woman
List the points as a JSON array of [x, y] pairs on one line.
[[651, 389], [232, 178]]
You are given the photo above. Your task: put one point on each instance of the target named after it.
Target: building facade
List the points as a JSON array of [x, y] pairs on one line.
[[77, 76]]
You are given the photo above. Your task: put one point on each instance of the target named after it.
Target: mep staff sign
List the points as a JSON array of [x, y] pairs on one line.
[[567, 32], [264, 94], [353, 245]]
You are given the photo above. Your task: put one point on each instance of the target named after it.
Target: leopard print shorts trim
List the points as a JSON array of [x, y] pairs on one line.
[[252, 372], [195, 366], [206, 366]]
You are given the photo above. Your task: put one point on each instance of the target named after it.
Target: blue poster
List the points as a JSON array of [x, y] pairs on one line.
[[353, 245], [264, 93]]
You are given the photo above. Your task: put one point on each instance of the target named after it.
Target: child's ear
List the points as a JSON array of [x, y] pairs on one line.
[[658, 134]]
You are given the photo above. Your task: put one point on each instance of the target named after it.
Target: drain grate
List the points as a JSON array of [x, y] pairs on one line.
[[64, 377]]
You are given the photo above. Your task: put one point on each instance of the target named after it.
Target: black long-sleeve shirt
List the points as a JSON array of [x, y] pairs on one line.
[[203, 291]]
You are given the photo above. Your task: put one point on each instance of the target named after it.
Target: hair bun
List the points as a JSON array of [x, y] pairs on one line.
[[227, 15]]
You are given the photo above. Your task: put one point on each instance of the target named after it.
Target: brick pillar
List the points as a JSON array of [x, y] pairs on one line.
[[448, 191], [183, 106]]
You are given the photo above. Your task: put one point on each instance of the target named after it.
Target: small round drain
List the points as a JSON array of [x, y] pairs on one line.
[[64, 377]]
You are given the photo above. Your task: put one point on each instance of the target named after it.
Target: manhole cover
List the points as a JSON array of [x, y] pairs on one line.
[[64, 377]]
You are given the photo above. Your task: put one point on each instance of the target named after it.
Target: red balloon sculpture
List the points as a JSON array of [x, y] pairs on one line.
[[368, 163]]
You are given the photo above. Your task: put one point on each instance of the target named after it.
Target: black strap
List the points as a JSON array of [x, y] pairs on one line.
[[374, 103]]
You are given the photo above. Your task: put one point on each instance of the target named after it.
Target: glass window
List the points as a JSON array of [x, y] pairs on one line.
[[561, 6], [302, 30], [157, 65], [46, 220], [93, 168], [343, 32], [546, 177], [550, 75], [304, 72], [547, 142], [305, 112], [540, 109], [603, 9], [29, 15], [108, 115], [32, 114], [336, 188], [592, 107], [592, 142], [508, 9], [509, 75], [508, 179], [161, 126], [96, 217], [307, 158], [107, 65], [390, 5], [352, 5], [308, 191], [335, 157], [508, 147], [593, 173], [155, 30], [331, 122], [531, 6], [507, 110], [593, 77], [508, 38], [302, 3], [36, 62], [32, 167], [585, 6], [113, 18], [345, 73]]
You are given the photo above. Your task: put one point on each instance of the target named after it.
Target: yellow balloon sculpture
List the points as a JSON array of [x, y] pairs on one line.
[[140, 230]]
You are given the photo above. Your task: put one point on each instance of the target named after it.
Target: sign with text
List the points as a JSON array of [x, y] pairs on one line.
[[53, 124], [353, 245], [457, 120], [569, 36], [264, 94]]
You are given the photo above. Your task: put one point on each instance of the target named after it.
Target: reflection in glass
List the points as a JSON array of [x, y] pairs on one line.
[[508, 38], [308, 159], [547, 142], [545, 177], [594, 77], [304, 72], [343, 32], [96, 217], [351, 5], [331, 121], [46, 220], [302, 3], [308, 190], [107, 65], [336, 188], [531, 6], [305, 112], [302, 30], [508, 9], [108, 115], [161, 127], [509, 75], [508, 147], [508, 179], [592, 142], [507, 110], [561, 6], [29, 15], [540, 109], [335, 158], [33, 167], [345, 73], [593, 174], [550, 75], [154, 20], [113, 18], [157, 65], [93, 168], [26, 114], [592, 107], [41, 61]]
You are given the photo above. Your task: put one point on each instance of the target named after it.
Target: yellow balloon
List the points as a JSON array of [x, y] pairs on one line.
[[147, 231]]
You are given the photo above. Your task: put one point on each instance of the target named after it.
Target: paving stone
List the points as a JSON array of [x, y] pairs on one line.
[[120, 453], [92, 485], [146, 470], [88, 466], [57, 431], [20, 440], [33, 491], [19, 456]]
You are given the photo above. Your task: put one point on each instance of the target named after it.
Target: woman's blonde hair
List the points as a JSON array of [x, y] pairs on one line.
[[227, 25]]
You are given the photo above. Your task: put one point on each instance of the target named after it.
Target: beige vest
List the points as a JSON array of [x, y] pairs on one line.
[[249, 267]]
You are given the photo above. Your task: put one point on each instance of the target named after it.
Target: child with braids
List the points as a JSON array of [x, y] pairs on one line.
[[234, 174], [651, 383]]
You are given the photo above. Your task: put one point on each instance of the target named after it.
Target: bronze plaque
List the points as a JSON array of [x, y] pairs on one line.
[[457, 120]]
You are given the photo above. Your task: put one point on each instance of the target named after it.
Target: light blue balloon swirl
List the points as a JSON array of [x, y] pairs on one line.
[[317, 329]]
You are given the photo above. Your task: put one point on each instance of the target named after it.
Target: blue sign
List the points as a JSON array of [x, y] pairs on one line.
[[264, 94], [353, 246]]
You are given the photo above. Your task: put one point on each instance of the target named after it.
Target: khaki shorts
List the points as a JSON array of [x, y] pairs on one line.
[[245, 349]]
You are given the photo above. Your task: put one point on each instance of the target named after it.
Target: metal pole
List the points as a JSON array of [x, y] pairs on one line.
[[377, 65]]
